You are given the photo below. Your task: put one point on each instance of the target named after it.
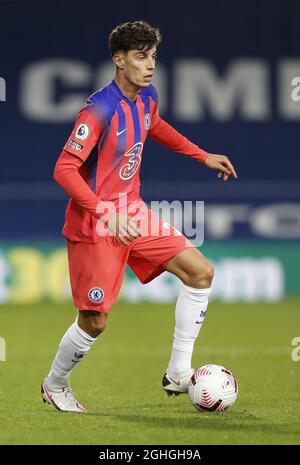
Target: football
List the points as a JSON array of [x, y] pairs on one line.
[[212, 387]]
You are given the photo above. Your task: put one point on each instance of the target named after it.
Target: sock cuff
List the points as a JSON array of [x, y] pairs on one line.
[[194, 295], [195, 290], [82, 334]]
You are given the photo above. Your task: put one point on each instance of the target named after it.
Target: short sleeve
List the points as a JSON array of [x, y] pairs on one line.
[[85, 134]]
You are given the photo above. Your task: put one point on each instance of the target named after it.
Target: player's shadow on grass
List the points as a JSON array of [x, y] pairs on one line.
[[217, 421]]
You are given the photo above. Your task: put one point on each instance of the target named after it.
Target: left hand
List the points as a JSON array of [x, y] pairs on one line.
[[221, 163]]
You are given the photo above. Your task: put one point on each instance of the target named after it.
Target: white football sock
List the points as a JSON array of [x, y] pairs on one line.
[[72, 349], [189, 315]]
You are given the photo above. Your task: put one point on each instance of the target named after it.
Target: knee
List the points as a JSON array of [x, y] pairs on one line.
[[93, 323], [209, 272], [201, 275]]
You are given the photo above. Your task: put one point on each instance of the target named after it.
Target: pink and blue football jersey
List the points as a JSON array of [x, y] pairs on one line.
[[109, 136]]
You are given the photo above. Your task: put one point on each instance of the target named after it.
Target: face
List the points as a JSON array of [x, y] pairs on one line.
[[137, 66]]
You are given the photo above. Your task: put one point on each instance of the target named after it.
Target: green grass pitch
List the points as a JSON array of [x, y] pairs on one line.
[[120, 380]]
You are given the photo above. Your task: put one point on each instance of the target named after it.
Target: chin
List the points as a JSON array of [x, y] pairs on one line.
[[145, 84]]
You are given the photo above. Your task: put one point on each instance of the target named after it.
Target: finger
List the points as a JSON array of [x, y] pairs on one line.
[[117, 225], [123, 226], [135, 219], [122, 240], [135, 226], [124, 235], [224, 168], [223, 175], [134, 232], [131, 233], [229, 165]]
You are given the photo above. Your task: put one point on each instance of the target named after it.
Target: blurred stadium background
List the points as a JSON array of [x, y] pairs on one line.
[[224, 76]]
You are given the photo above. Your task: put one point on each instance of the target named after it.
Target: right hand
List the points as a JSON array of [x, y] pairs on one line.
[[124, 227]]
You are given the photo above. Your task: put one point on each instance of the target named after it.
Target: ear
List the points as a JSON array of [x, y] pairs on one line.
[[118, 60]]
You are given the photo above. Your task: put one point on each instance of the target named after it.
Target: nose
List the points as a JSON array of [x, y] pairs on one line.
[[151, 63]]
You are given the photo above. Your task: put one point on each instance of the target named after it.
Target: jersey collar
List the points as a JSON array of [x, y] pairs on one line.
[[120, 94]]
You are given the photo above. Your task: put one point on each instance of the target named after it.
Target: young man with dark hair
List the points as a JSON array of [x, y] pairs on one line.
[[107, 222]]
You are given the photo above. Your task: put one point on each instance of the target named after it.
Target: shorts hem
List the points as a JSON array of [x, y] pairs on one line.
[[95, 309], [161, 268], [158, 271]]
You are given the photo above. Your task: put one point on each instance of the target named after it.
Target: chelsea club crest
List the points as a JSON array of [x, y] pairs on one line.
[[147, 121], [96, 294]]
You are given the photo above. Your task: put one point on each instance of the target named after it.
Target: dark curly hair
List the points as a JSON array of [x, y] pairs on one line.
[[133, 35]]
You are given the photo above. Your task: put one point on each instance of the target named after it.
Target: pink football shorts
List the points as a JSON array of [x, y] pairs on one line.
[[97, 269]]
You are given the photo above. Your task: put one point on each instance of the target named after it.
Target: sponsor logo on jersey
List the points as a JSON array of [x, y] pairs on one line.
[[75, 145], [119, 133], [82, 132], [147, 121], [132, 164], [96, 294]]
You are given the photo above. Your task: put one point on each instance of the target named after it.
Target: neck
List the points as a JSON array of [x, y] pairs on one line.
[[129, 89]]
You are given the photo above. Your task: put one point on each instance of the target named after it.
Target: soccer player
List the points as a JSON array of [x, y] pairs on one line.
[[107, 222]]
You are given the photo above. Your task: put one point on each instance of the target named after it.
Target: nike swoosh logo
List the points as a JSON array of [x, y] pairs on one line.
[[48, 393], [199, 322], [176, 382], [118, 133]]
